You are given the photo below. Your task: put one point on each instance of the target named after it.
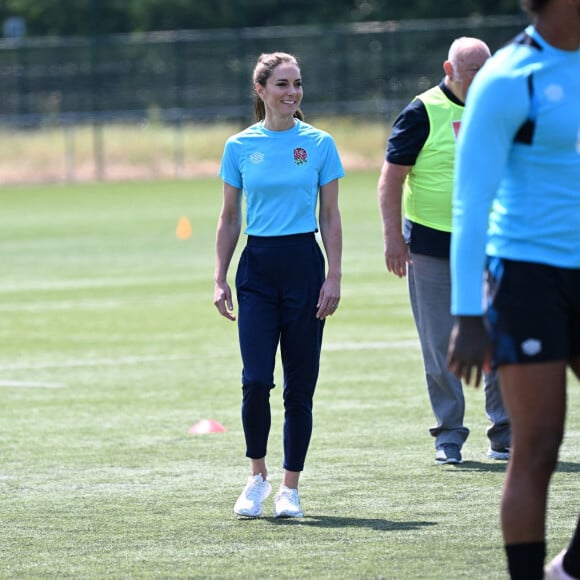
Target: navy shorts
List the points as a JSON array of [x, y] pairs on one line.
[[533, 312]]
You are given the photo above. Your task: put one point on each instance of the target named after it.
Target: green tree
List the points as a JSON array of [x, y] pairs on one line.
[[149, 15], [84, 17], [69, 17]]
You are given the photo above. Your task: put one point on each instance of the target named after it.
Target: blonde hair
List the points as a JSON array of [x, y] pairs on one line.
[[266, 64]]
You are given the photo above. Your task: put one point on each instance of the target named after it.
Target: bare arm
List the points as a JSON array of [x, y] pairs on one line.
[[227, 235], [390, 193], [331, 233]]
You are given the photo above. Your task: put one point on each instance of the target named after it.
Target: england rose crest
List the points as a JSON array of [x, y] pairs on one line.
[[300, 156]]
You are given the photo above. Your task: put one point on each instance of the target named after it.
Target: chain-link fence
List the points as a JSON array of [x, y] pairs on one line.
[[365, 70]]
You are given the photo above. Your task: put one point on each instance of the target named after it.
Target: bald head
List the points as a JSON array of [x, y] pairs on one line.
[[466, 56]]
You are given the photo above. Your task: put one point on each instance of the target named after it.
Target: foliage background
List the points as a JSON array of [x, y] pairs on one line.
[[84, 17]]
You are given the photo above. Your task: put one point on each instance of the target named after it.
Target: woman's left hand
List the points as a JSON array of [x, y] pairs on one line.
[[329, 299]]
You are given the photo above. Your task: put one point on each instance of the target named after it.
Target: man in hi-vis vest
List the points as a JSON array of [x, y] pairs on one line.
[[415, 190]]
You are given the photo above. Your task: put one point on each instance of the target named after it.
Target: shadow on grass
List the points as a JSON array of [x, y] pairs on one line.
[[568, 467], [378, 524], [496, 467], [500, 466]]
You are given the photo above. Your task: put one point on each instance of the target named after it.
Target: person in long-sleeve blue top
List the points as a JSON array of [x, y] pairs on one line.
[[516, 220]]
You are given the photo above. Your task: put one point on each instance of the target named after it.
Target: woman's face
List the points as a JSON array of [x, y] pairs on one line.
[[282, 94]]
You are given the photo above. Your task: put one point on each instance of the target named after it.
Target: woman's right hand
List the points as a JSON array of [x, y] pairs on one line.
[[222, 300]]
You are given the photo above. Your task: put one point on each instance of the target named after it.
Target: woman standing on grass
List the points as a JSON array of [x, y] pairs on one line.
[[519, 151], [284, 168]]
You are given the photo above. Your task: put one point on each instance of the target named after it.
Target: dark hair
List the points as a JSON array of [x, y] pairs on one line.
[[267, 62], [534, 6]]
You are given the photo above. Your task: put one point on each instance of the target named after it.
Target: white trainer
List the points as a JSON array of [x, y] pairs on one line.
[[502, 454], [249, 504], [555, 569], [287, 503]]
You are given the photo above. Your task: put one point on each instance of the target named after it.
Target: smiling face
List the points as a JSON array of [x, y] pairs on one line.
[[282, 92]]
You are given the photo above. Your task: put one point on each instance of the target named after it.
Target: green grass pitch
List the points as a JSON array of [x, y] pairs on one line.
[[111, 349]]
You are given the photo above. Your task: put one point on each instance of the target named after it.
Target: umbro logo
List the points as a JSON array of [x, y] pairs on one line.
[[256, 157], [554, 92], [532, 346]]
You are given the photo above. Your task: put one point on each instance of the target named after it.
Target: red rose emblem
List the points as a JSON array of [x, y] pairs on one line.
[[300, 156]]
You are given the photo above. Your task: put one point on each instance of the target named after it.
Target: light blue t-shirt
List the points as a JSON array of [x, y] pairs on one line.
[[517, 194], [280, 173]]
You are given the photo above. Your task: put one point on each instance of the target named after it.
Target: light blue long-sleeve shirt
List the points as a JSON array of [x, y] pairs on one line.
[[513, 199]]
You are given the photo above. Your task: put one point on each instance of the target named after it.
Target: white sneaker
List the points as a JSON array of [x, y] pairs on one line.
[[555, 569], [287, 503], [502, 454], [249, 504]]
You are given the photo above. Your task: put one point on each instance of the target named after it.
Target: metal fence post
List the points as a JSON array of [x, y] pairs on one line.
[[96, 91]]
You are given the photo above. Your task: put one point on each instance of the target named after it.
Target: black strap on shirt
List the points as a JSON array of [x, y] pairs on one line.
[[525, 133]]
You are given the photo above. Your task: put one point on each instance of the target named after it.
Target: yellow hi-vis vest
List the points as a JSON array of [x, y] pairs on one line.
[[429, 185]]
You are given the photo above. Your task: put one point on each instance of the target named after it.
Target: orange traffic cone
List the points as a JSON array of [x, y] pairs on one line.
[[183, 230]]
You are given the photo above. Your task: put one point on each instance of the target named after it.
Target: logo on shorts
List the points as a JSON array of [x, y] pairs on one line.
[[531, 346]]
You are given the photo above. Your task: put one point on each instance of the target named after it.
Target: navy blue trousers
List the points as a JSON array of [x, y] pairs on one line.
[[278, 282]]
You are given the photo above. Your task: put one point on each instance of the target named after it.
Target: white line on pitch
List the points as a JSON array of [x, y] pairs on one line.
[[77, 284], [98, 362], [30, 385], [91, 304], [371, 345], [129, 360]]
